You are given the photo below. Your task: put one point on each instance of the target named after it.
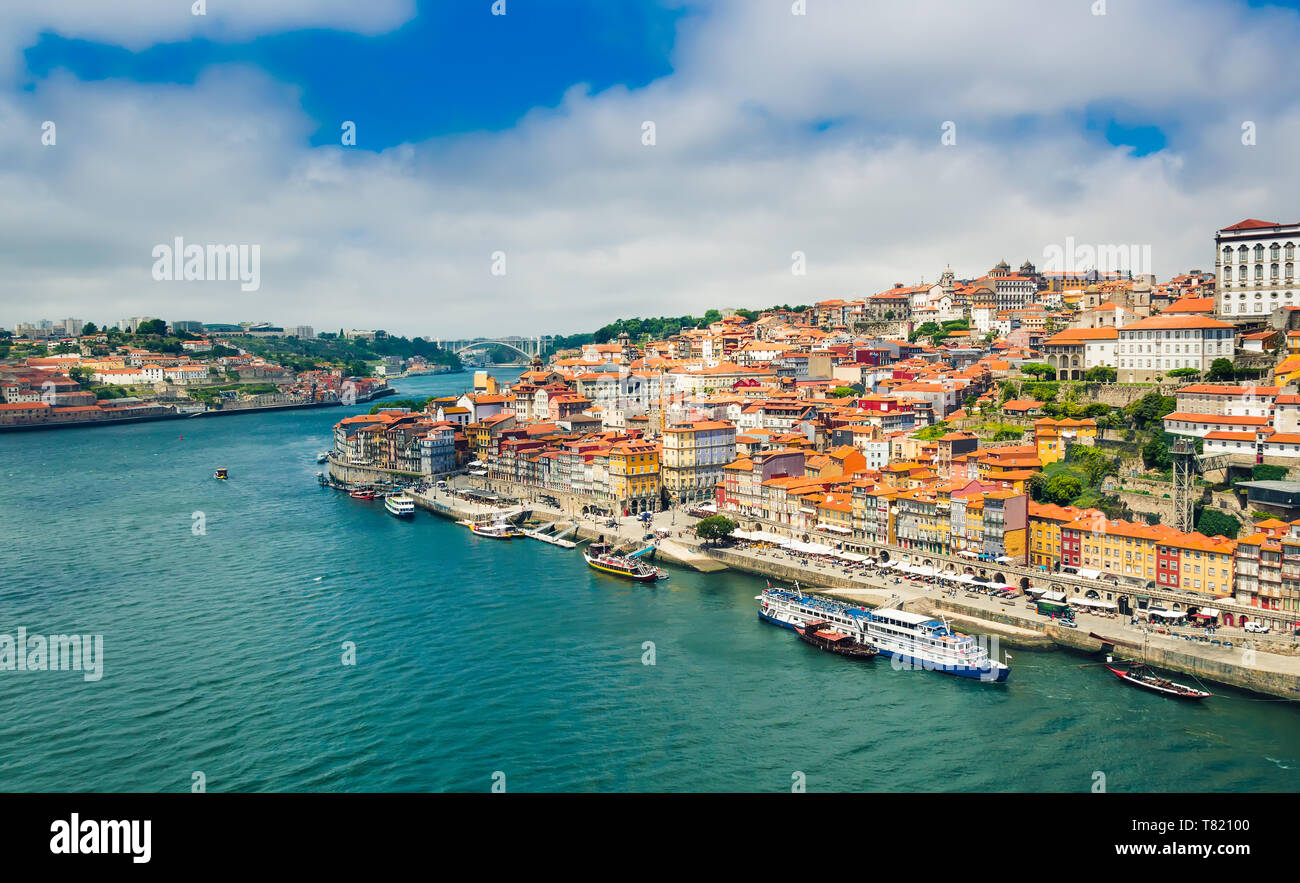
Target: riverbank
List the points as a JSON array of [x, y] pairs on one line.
[[1247, 665]]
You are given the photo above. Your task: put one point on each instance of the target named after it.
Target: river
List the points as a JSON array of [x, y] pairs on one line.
[[225, 608]]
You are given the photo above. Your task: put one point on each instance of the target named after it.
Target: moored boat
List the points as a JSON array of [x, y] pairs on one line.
[[400, 505], [911, 640], [824, 636], [601, 556], [360, 494], [1138, 675], [493, 526]]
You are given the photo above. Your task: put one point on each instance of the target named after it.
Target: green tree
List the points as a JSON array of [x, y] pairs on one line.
[[1148, 412], [1220, 370], [1101, 374], [1062, 489], [1037, 487], [1039, 370], [153, 326], [1180, 373], [1214, 523], [1267, 472], [715, 527], [843, 392], [357, 368], [90, 328], [1155, 453]]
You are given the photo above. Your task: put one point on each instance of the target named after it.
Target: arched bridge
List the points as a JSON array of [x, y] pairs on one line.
[[528, 347]]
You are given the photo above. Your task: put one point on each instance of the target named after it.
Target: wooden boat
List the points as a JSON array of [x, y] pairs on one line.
[[601, 557], [362, 495], [1138, 675], [220, 474], [823, 636]]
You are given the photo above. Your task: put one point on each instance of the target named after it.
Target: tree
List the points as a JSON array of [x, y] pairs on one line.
[[153, 326], [1039, 370], [1267, 472], [715, 527], [1214, 523], [357, 368], [1180, 373], [1148, 412], [1155, 453], [1101, 374], [1037, 486], [1062, 489], [90, 328], [843, 392], [1221, 369]]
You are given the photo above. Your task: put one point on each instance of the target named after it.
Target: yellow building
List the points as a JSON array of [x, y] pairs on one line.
[[634, 480], [1052, 437], [1045, 522]]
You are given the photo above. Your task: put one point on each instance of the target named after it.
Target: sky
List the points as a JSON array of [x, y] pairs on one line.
[[503, 178]]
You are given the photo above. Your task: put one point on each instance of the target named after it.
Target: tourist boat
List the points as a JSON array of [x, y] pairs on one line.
[[493, 526], [220, 474], [360, 494], [911, 640], [400, 506], [1139, 675], [600, 556], [823, 636]]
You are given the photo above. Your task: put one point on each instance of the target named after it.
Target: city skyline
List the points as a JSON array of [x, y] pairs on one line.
[[376, 172]]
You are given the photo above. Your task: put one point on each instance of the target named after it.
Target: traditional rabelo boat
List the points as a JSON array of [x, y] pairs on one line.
[[1138, 675], [824, 636]]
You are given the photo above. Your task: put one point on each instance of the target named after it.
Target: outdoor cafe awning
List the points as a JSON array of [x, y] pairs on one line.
[[967, 554], [833, 527], [1207, 613]]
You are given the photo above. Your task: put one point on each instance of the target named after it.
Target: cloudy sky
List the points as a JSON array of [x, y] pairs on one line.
[[524, 134]]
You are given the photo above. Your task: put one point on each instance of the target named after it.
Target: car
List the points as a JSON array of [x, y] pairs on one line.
[[1257, 627]]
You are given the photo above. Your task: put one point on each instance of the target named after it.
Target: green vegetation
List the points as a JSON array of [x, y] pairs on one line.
[[1147, 413], [210, 394], [844, 392], [938, 430], [1221, 370], [1076, 480], [1214, 523], [394, 404], [640, 330], [357, 355], [1266, 472], [715, 527], [1184, 372], [1101, 374], [1039, 370]]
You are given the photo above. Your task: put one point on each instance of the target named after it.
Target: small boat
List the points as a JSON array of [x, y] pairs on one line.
[[220, 474], [493, 526], [362, 494], [1139, 675], [323, 457], [823, 636], [601, 557], [400, 505]]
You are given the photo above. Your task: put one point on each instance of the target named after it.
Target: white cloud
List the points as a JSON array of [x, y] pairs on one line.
[[597, 226]]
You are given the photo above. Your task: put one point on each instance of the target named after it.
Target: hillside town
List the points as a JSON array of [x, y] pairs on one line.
[[1144, 432], [72, 373]]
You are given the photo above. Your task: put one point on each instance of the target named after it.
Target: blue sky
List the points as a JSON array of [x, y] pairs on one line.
[[524, 134], [451, 69]]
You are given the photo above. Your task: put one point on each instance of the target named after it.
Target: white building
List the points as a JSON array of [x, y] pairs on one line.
[[1153, 347], [1255, 267]]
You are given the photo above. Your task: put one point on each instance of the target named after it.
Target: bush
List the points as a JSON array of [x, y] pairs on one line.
[[1214, 523], [1265, 472]]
